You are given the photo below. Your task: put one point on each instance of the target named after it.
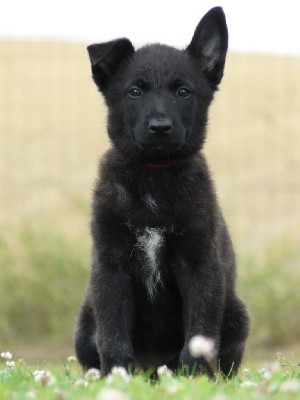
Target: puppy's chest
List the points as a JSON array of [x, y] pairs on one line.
[[149, 250], [155, 222], [148, 219], [156, 207]]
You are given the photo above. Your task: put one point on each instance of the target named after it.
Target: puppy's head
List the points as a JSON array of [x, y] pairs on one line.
[[158, 96]]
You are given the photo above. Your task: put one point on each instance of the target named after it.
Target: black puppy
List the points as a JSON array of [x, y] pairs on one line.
[[163, 267]]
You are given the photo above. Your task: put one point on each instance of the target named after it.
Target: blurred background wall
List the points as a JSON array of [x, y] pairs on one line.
[[52, 132]]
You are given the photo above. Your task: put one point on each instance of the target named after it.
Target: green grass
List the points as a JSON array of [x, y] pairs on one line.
[[269, 283], [42, 276], [277, 383]]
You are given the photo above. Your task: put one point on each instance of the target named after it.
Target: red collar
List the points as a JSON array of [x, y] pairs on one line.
[[159, 165]]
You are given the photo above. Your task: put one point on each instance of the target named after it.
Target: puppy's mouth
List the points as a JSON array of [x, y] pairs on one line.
[[159, 148]]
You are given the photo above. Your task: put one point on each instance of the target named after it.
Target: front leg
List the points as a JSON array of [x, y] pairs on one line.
[[201, 287], [113, 309], [112, 294]]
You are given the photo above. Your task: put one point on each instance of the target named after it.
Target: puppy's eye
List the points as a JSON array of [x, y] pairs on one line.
[[184, 92], [134, 92]]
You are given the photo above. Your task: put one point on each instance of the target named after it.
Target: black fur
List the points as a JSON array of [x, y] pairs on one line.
[[155, 185]]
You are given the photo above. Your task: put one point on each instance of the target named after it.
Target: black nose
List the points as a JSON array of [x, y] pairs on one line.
[[160, 125]]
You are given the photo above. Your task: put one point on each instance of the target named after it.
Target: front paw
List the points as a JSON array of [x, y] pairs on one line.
[[108, 361], [195, 366]]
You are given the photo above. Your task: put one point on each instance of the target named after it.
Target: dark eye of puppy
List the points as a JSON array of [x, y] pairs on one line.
[[134, 92], [184, 92]]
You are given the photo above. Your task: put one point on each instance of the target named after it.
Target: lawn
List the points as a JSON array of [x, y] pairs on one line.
[[279, 380]]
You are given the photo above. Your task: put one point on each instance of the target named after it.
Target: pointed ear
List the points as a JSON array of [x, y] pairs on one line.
[[107, 57], [209, 44]]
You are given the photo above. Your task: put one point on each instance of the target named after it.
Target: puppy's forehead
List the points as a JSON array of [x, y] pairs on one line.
[[158, 64]]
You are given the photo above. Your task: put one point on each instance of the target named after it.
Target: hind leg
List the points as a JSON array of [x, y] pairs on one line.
[[85, 344], [234, 333]]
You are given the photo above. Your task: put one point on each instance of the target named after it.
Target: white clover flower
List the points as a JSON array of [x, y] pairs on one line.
[[202, 346], [248, 384], [31, 394], [60, 395], [219, 396], [81, 382], [173, 388], [92, 374], [246, 373], [112, 394], [164, 370], [273, 367], [269, 370], [10, 364], [71, 359], [6, 355], [45, 378], [37, 372], [291, 386], [110, 379], [267, 374], [118, 372]]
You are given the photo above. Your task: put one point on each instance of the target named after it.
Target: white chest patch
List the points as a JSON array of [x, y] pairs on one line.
[[150, 242]]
